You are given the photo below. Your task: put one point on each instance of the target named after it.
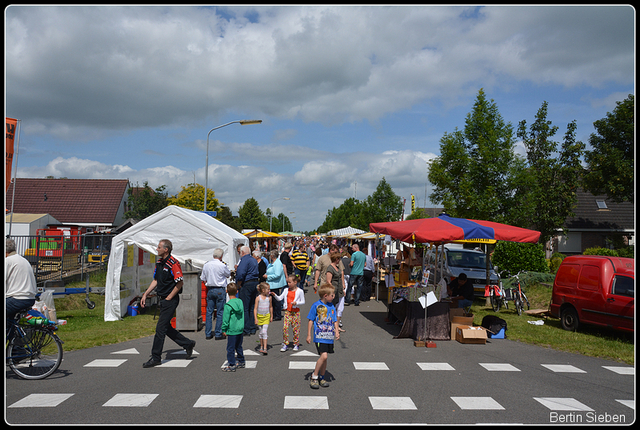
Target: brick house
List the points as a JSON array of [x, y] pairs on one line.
[[98, 204], [598, 222]]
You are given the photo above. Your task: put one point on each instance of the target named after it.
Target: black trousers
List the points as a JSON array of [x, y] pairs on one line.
[[163, 328]]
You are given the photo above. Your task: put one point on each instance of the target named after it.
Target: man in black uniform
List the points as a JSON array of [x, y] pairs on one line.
[[167, 278]]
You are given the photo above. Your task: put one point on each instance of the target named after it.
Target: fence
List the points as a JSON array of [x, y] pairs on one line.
[[59, 258]]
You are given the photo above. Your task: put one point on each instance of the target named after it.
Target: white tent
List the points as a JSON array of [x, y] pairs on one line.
[[345, 231], [194, 236]]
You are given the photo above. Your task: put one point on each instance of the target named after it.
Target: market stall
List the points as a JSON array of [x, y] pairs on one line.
[[411, 280]]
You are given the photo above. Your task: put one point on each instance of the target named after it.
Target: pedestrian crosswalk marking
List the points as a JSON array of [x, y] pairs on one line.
[[175, 363], [477, 403], [392, 403], [218, 401], [563, 368], [621, 370], [41, 400], [248, 364], [127, 351], [628, 403], [306, 402], [562, 404], [435, 366], [304, 354], [363, 365], [105, 363], [134, 400], [499, 367], [302, 365]]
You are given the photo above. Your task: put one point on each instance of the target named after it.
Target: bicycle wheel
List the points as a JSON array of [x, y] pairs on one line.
[[518, 303], [495, 300], [526, 300], [36, 355]]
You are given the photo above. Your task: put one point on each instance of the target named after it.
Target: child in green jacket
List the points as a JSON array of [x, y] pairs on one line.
[[232, 327]]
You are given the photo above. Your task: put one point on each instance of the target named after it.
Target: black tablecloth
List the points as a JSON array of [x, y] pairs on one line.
[[412, 315]]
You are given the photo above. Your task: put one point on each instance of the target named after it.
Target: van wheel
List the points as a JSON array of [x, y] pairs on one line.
[[569, 319]]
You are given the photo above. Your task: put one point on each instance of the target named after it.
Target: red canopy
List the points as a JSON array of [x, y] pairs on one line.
[[447, 229]]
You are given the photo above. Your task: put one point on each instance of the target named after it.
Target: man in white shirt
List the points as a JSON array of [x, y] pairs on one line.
[[19, 282], [215, 275]]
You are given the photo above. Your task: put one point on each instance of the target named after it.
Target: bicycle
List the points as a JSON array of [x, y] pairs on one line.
[[32, 351], [519, 297], [497, 296]]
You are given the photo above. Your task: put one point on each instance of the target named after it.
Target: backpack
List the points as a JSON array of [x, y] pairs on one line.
[[494, 324]]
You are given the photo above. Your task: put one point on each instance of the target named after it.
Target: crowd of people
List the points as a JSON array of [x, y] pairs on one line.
[[266, 287]]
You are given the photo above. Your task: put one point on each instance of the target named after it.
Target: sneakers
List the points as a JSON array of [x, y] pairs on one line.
[[240, 365], [296, 348], [229, 368], [151, 363], [317, 383], [284, 347]]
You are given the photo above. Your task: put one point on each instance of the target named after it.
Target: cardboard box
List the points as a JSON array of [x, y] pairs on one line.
[[454, 326], [472, 335], [459, 316]]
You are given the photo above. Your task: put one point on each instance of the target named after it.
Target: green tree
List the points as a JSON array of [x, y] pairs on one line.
[[192, 197], [349, 213], [610, 164], [382, 205], [145, 201], [250, 215], [226, 217], [419, 213], [475, 174], [546, 190]]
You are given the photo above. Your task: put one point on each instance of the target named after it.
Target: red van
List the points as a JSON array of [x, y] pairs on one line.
[[592, 289]]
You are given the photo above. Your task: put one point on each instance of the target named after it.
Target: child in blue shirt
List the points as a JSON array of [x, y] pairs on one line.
[[323, 321]]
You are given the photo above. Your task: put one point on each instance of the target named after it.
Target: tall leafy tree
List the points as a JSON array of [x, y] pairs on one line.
[[349, 213], [546, 189], [226, 217], [144, 201], [610, 164], [251, 216], [382, 205], [475, 174], [192, 197]]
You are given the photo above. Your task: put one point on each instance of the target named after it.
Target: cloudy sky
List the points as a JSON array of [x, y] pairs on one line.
[[347, 95]]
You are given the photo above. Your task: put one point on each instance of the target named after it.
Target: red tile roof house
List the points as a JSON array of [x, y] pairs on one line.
[[99, 204]]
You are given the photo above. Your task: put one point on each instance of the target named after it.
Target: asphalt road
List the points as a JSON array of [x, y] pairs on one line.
[[374, 379]]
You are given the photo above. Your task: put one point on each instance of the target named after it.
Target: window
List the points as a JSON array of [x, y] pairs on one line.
[[623, 286], [601, 204]]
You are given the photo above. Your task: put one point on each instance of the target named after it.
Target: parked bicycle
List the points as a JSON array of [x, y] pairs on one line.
[[519, 297], [497, 295], [33, 351]]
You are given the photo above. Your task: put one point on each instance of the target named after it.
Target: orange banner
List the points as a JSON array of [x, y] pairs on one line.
[[11, 134]]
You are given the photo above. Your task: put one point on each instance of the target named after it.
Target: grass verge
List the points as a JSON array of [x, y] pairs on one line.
[[591, 341]]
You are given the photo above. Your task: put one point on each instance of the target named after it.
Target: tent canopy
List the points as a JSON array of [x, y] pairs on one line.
[[260, 234], [444, 229], [345, 231], [194, 236]]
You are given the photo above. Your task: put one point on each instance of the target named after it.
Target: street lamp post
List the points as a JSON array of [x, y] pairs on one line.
[[271, 208], [206, 171]]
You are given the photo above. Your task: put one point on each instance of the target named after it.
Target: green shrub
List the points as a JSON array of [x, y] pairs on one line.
[[627, 252], [555, 261], [601, 251], [514, 257]]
